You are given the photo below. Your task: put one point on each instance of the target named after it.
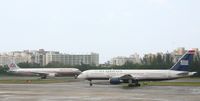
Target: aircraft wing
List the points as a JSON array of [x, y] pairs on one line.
[[44, 74], [40, 73], [128, 76]]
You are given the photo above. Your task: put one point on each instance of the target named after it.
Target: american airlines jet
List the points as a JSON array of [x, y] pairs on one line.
[[132, 77], [44, 72]]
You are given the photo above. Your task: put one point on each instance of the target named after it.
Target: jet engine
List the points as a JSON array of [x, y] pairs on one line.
[[115, 81], [52, 74]]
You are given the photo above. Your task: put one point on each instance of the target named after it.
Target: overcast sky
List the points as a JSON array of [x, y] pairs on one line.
[[108, 27]]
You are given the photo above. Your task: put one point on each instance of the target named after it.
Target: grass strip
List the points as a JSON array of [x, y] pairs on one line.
[[172, 83], [33, 81]]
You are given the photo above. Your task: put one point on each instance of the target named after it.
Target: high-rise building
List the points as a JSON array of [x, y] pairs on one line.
[[16, 56], [4, 59], [135, 58], [43, 57], [72, 59], [180, 51], [121, 60]]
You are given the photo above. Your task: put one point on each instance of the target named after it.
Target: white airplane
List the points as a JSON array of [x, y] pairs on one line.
[[132, 77], [44, 72]]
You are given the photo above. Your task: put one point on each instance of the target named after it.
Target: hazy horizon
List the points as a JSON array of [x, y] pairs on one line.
[[108, 27]]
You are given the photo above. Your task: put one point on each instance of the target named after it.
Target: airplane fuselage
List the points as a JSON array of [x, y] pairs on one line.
[[50, 71], [141, 75], [178, 70]]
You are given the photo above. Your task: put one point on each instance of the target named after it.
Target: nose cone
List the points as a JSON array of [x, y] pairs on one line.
[[81, 76], [192, 73], [78, 71]]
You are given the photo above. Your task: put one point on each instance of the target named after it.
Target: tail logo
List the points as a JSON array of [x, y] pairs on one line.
[[12, 65], [184, 62]]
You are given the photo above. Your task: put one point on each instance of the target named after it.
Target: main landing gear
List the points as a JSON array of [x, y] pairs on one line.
[[133, 84], [75, 76], [43, 77]]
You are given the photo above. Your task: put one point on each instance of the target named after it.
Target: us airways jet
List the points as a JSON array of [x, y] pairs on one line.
[[132, 77], [43, 72]]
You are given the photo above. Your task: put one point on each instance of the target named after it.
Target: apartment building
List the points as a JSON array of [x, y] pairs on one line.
[[72, 59], [43, 57], [121, 60]]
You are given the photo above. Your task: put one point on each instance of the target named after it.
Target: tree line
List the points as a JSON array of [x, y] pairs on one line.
[[158, 61]]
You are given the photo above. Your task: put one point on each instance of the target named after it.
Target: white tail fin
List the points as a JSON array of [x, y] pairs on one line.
[[12, 66]]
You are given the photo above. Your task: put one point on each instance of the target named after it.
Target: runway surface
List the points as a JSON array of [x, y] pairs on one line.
[[81, 91]]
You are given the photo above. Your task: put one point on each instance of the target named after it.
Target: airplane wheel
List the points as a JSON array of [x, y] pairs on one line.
[[75, 77], [138, 85], [130, 85], [43, 77], [91, 83]]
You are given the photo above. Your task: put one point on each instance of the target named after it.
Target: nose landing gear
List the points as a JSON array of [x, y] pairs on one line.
[[90, 82]]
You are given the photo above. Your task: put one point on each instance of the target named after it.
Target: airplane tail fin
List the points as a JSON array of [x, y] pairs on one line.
[[184, 62], [13, 66]]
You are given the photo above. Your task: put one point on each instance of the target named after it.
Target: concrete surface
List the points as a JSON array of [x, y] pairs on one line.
[[81, 91]]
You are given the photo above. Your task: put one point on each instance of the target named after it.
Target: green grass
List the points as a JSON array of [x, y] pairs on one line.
[[30, 81], [36, 80], [125, 86], [173, 83]]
